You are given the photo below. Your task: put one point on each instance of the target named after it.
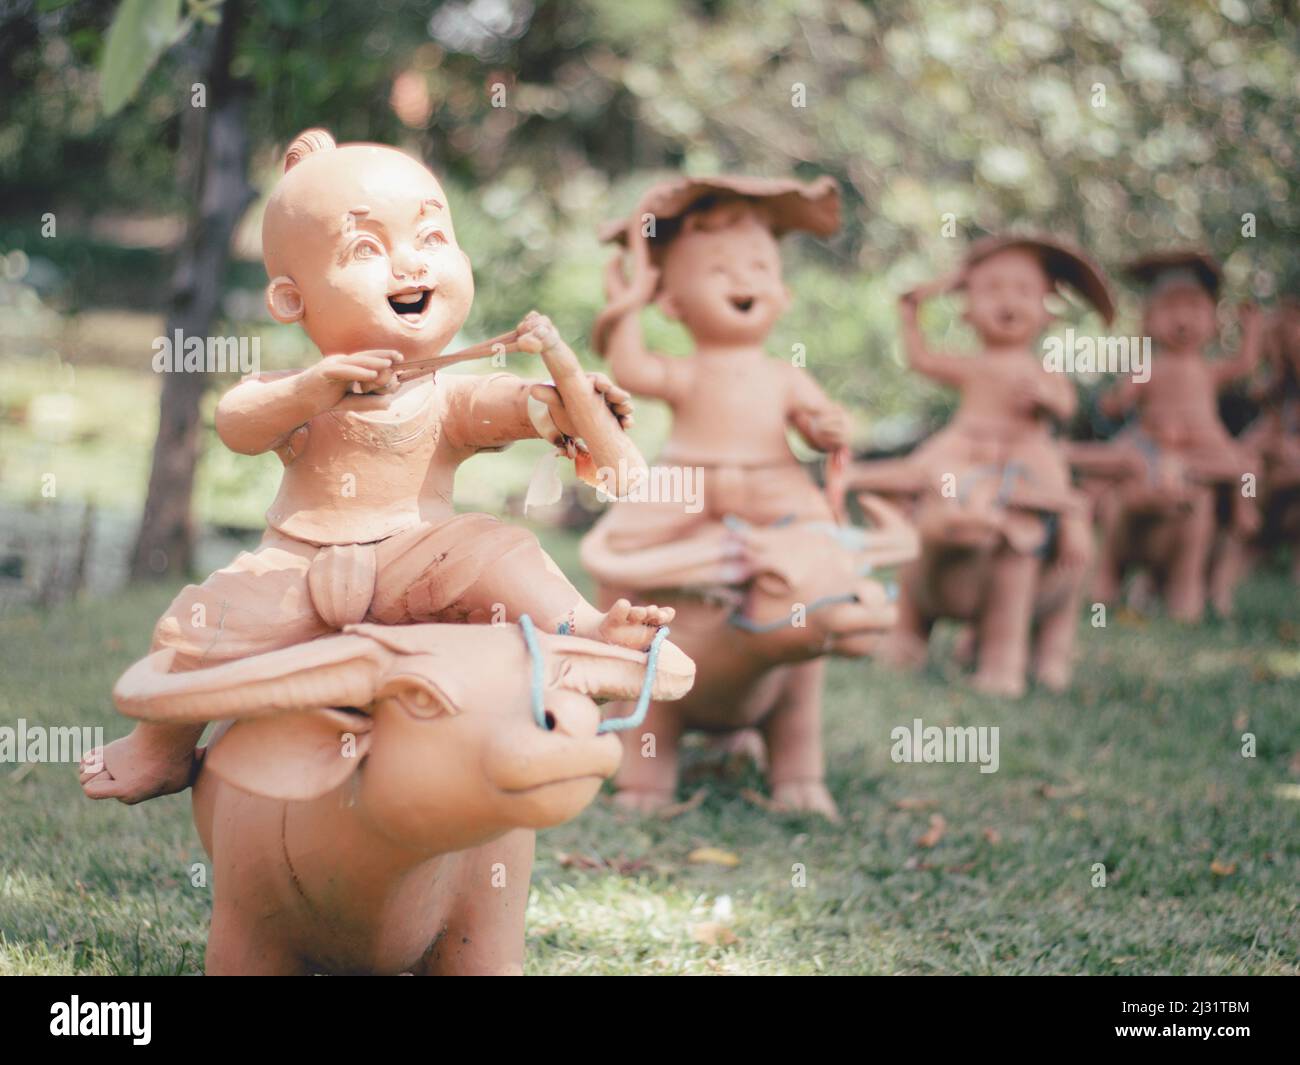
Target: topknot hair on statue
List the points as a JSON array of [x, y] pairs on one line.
[[307, 142]]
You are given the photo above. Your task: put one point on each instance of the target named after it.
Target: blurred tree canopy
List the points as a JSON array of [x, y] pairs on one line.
[[1121, 124]]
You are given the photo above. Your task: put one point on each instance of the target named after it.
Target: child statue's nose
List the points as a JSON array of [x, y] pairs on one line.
[[408, 266]]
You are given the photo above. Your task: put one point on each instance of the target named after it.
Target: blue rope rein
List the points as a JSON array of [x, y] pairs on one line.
[[537, 681]]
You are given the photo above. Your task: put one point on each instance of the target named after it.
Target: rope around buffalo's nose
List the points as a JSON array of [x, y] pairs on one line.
[[537, 681]]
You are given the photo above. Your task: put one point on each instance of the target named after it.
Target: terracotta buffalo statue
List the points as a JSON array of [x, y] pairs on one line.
[[988, 558], [1165, 519], [371, 798], [1275, 437], [758, 608]]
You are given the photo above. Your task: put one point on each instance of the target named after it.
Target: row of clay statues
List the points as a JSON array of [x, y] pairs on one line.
[[406, 693]]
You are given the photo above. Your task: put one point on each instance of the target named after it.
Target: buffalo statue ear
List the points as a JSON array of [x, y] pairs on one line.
[[294, 756], [333, 671], [604, 671]]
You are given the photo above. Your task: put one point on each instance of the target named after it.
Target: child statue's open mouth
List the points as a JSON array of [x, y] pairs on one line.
[[744, 304], [410, 304]]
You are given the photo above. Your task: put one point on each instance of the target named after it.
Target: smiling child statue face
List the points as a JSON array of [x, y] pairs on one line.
[[722, 277], [359, 243], [1005, 296], [1180, 317]]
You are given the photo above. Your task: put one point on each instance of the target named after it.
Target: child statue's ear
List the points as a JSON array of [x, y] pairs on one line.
[[667, 303], [284, 300]]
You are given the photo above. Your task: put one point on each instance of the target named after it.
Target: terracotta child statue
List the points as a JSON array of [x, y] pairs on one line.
[[1178, 408], [1177, 416], [995, 478], [359, 243], [705, 250], [1275, 433], [1008, 398], [713, 264]]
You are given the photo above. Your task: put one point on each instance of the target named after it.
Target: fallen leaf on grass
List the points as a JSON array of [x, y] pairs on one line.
[[932, 835], [713, 934], [667, 813], [1279, 665], [757, 798], [915, 804], [713, 856], [1128, 616], [1219, 868], [620, 865]]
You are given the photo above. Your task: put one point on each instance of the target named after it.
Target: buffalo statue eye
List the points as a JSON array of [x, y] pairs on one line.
[[419, 700], [421, 703]]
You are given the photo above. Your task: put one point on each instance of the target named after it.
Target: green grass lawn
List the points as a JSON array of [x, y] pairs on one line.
[[1139, 768]]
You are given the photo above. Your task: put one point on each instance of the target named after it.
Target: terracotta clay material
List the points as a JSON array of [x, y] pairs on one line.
[[371, 799], [1005, 538], [988, 557], [764, 546], [1274, 436], [361, 250], [1177, 461]]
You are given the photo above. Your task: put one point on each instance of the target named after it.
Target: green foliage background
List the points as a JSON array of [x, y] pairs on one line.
[[1121, 124]]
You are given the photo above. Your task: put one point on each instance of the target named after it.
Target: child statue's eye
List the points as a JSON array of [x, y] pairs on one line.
[[434, 236], [365, 250]]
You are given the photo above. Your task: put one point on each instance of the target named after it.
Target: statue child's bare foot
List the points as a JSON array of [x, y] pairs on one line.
[[132, 770], [904, 650], [1010, 685], [805, 796], [633, 626], [1054, 676], [642, 802]]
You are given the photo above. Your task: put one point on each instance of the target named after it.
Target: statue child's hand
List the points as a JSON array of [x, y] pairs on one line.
[[912, 299], [638, 292], [618, 400], [825, 428], [1026, 395], [369, 371]]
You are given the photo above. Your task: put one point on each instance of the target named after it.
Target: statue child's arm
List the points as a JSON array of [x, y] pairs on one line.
[[1120, 399], [823, 423], [631, 363], [1057, 396], [483, 413], [263, 410], [1247, 358], [639, 370], [946, 369]]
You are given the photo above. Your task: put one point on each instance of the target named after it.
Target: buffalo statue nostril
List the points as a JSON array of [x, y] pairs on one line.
[[549, 721]]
